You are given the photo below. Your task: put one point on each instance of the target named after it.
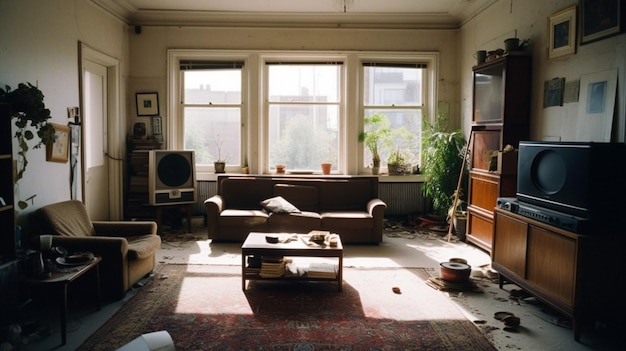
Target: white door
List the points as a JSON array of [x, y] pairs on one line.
[[96, 172]]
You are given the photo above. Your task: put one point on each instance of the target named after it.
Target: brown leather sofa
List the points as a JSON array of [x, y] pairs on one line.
[[128, 249], [345, 205]]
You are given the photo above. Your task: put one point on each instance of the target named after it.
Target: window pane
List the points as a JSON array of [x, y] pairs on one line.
[[304, 83], [387, 86], [212, 87], [406, 125], [206, 128], [303, 136]]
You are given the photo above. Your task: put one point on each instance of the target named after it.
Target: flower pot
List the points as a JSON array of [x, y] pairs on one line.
[[460, 225], [245, 170], [220, 167], [280, 169], [326, 168]]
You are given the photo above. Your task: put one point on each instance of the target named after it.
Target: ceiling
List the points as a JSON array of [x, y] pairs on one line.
[[297, 13]]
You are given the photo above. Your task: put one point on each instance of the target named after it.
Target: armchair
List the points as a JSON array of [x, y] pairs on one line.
[[128, 249]]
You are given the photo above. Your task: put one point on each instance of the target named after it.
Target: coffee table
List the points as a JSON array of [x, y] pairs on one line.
[[61, 278], [256, 245]]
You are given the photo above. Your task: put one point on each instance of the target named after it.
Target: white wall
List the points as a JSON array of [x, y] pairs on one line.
[[528, 18], [39, 44]]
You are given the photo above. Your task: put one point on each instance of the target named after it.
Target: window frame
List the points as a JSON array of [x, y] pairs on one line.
[[254, 130]]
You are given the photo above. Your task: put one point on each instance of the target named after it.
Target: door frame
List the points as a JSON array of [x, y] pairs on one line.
[[114, 154]]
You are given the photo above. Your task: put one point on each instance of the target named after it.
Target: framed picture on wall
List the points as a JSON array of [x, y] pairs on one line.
[[562, 33], [58, 149], [600, 19], [147, 104]]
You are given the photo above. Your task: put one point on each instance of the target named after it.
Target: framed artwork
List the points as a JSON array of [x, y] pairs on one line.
[[600, 19], [596, 106], [147, 104], [553, 92], [562, 33], [157, 125], [58, 149]]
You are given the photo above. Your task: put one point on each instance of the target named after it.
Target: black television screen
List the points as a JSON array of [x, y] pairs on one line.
[[584, 179]]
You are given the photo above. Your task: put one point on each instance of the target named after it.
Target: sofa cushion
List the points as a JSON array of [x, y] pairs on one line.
[[301, 222], [247, 218], [347, 219], [304, 197], [342, 195], [278, 204], [245, 193], [144, 246]]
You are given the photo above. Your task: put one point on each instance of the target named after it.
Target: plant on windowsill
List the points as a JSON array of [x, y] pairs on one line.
[[220, 163], [398, 164], [376, 137], [442, 156]]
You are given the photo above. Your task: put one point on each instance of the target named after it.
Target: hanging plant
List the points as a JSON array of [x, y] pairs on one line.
[[29, 111]]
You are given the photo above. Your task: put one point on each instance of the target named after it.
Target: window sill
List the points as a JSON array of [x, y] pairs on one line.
[[382, 178]]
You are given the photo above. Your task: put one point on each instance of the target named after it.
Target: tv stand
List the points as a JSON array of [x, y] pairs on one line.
[[573, 273]]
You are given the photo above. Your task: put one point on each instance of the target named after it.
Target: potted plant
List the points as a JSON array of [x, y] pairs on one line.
[[398, 163], [376, 135], [442, 157], [28, 109], [220, 163]]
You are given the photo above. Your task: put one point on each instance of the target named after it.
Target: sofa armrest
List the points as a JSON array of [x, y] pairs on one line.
[[214, 206], [376, 208], [124, 228]]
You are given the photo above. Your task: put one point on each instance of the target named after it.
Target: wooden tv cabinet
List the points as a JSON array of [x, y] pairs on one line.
[[575, 274]]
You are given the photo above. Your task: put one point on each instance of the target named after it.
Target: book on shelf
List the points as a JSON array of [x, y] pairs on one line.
[[322, 270]]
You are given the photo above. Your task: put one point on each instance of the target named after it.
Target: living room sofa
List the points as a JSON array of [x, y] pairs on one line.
[[345, 205], [128, 248]]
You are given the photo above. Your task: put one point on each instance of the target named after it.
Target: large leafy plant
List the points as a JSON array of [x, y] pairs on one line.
[[29, 111], [442, 159]]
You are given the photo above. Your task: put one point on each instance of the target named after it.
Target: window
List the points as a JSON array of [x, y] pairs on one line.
[[303, 103], [395, 90], [211, 110], [294, 108]]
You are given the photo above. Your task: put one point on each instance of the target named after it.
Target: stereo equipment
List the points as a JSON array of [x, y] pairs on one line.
[[554, 218], [507, 203], [172, 177]]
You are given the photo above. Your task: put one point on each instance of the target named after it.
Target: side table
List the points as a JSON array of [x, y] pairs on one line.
[[59, 281]]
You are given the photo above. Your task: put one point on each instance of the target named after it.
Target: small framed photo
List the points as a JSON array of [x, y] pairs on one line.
[[562, 33], [600, 19], [147, 104], [157, 125], [58, 149]]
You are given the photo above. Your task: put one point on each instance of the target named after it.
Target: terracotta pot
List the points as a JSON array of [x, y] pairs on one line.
[[455, 272], [219, 167], [280, 169], [326, 168]]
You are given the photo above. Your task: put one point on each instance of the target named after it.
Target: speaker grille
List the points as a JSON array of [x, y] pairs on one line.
[[172, 177]]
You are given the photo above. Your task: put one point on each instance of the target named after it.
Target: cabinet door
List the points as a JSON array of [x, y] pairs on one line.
[[552, 263], [510, 244]]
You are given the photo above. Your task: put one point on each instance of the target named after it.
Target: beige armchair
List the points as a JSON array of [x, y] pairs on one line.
[[128, 248]]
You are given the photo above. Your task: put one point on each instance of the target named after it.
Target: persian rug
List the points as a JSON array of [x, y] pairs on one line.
[[203, 307]]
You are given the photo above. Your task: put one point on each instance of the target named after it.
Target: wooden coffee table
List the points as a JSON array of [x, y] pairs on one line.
[[61, 278], [256, 245]]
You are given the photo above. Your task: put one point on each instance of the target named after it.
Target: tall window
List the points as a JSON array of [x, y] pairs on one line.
[[303, 103], [396, 91], [212, 101]]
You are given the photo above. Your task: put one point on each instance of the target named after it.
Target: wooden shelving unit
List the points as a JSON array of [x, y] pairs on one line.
[[136, 199], [501, 108]]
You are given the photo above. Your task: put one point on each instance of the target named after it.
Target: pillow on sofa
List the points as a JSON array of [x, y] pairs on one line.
[[278, 204]]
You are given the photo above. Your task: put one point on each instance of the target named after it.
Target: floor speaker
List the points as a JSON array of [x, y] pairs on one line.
[[172, 177]]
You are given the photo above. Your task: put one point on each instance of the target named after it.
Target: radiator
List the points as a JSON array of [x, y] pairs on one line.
[[401, 198], [206, 189]]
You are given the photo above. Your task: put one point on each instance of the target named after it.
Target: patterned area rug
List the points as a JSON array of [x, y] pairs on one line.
[[204, 308]]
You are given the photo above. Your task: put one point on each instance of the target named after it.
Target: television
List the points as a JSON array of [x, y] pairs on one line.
[[172, 177], [582, 179]]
